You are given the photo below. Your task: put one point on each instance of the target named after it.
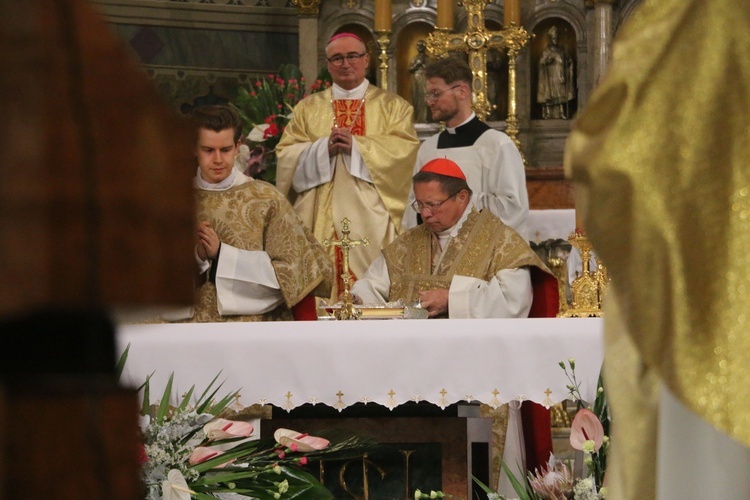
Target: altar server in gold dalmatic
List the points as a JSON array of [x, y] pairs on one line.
[[348, 151], [663, 152], [256, 259]]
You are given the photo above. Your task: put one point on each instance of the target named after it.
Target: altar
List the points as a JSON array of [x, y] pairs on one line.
[[360, 368], [384, 362]]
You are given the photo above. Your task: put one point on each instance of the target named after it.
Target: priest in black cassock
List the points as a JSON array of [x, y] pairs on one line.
[[489, 158]]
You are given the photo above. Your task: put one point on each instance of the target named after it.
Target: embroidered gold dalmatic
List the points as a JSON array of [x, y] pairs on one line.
[[255, 216], [662, 151], [386, 140], [483, 247]]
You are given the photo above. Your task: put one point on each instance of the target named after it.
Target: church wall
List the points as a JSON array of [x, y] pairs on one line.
[[200, 52]]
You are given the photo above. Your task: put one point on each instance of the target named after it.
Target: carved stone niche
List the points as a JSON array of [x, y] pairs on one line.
[[554, 85]]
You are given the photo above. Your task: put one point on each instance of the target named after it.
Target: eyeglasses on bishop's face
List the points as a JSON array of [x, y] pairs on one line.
[[351, 58], [435, 94], [433, 208]]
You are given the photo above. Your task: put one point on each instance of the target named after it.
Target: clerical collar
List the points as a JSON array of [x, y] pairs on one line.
[[452, 130], [201, 183], [357, 92], [452, 232], [463, 136]]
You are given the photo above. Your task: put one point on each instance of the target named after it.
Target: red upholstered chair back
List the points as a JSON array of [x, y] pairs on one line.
[[537, 425], [306, 309], [546, 294]]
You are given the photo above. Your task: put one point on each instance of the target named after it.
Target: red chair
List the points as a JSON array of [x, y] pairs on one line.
[[537, 431], [306, 309]]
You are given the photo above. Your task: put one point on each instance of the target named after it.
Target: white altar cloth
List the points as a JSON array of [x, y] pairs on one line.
[[388, 362]]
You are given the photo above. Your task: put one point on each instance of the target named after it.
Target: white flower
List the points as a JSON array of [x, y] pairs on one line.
[[175, 487], [283, 486], [257, 134], [585, 489], [589, 446]]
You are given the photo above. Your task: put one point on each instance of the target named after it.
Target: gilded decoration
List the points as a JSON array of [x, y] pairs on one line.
[[476, 42], [307, 7], [589, 287]]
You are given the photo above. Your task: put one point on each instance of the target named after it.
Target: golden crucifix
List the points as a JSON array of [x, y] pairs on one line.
[[476, 41], [347, 310]]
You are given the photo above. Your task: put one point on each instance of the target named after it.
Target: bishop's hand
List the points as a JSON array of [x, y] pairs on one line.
[[435, 301]]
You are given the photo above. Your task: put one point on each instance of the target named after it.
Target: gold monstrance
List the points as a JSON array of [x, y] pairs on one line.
[[589, 287], [347, 310]]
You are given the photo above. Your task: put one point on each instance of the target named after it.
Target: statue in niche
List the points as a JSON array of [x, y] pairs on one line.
[[556, 87], [495, 95], [418, 82]]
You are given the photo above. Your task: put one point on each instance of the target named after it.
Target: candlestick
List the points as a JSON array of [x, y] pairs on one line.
[[445, 14], [383, 15], [512, 12]]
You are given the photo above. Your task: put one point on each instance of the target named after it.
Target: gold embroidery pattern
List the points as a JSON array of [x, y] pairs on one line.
[[483, 246], [255, 216]]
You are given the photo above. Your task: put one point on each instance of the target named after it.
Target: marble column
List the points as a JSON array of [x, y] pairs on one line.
[[308, 48], [602, 39]]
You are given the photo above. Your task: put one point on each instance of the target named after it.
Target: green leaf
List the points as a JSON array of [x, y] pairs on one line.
[[146, 404], [163, 410], [186, 399], [121, 362], [522, 489]]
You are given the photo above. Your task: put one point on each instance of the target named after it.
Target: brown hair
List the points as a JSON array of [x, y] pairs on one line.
[[217, 118], [451, 70]]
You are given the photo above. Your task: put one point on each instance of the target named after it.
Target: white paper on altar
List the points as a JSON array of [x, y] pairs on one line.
[[390, 362]]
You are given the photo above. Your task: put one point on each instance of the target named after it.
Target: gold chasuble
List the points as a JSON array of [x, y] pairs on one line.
[[385, 138], [255, 216], [483, 247], [662, 152]]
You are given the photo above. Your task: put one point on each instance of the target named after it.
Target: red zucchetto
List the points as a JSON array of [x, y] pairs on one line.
[[443, 166]]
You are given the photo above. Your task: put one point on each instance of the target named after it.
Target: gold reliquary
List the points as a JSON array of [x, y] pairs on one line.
[[589, 287]]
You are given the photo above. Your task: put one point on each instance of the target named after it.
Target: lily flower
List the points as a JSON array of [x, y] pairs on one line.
[[175, 487], [203, 453], [258, 133], [222, 428], [586, 427], [302, 442]]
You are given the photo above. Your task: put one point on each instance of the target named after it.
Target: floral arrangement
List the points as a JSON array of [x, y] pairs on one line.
[[266, 108], [588, 434], [191, 451]]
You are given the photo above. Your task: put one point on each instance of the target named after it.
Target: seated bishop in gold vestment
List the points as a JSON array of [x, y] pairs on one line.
[[460, 263]]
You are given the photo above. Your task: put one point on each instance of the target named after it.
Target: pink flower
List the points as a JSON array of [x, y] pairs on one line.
[[555, 482], [258, 83], [303, 461], [586, 427], [203, 453], [221, 428], [303, 442], [279, 81]]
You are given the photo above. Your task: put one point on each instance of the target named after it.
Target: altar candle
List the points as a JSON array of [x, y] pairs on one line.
[[445, 14], [383, 19], [512, 12]]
